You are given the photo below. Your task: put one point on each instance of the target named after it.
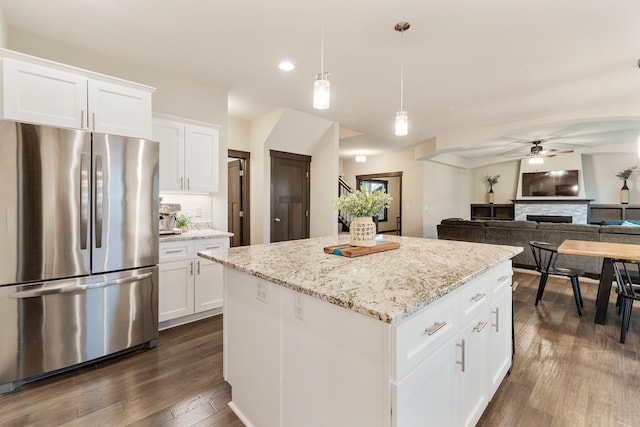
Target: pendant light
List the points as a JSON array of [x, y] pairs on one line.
[[321, 87], [402, 120]]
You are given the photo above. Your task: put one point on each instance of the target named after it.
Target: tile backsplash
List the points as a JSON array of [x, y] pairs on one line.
[[196, 206]]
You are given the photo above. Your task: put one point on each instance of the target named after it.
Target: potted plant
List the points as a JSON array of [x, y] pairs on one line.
[[363, 206], [491, 180], [183, 221], [624, 191]]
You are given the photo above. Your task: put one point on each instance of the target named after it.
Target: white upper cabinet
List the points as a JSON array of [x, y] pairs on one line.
[[37, 94], [188, 156], [119, 110], [47, 93]]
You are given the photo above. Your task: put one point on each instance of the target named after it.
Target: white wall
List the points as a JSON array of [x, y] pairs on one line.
[[4, 33], [598, 179], [446, 194], [174, 95], [412, 187], [324, 184], [239, 134]]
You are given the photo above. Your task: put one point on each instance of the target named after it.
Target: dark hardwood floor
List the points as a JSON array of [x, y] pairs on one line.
[[568, 371]]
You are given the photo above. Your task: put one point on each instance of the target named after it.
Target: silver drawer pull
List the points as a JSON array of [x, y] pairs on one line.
[[502, 278], [212, 247], [497, 324], [435, 328], [461, 363], [478, 297], [480, 326], [176, 251]]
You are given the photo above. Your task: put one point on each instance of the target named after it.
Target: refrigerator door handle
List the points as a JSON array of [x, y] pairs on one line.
[[99, 200], [65, 289], [84, 199]]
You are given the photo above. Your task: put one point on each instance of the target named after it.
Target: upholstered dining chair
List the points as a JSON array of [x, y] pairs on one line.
[[545, 256], [627, 273]]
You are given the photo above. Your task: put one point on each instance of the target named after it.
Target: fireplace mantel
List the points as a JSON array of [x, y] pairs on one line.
[[544, 201]]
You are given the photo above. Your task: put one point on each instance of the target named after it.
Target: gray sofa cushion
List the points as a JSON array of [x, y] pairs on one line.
[[513, 233], [462, 230], [511, 224]]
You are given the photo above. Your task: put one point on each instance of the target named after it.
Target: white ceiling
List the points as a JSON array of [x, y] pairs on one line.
[[468, 64]]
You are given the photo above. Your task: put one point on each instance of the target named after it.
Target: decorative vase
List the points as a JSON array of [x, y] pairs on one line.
[[624, 193], [362, 231], [491, 194], [184, 228]]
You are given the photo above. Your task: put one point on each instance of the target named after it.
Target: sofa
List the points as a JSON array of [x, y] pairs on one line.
[[520, 233]]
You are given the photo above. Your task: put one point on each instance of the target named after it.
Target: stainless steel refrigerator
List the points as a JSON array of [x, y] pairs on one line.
[[78, 248]]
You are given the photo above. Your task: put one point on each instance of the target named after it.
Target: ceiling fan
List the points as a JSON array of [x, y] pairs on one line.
[[537, 151]]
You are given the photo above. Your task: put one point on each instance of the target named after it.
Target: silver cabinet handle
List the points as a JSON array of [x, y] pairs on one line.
[[191, 263], [480, 326], [182, 183], [66, 289], [435, 328], [84, 199], [276, 219], [176, 251], [198, 267], [93, 120], [502, 278], [99, 200], [497, 324], [212, 247], [81, 119], [461, 363], [478, 297], [188, 183]]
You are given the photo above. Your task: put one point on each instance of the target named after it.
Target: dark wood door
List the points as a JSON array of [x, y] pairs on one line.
[[290, 187], [235, 202]]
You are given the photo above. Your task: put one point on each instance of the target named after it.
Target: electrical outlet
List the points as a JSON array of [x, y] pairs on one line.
[[262, 292], [298, 306]]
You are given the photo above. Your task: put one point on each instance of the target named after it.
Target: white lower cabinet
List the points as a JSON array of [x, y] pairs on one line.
[[289, 356], [189, 284]]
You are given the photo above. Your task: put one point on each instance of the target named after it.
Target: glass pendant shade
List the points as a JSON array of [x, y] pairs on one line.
[[402, 123], [321, 92], [536, 160]]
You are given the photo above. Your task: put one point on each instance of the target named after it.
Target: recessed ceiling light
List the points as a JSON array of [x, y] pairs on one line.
[[286, 66]]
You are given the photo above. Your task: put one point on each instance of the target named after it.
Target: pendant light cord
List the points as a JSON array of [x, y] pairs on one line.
[[401, 69]]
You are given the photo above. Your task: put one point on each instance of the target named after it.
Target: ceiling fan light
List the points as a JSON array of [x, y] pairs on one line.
[[402, 123], [361, 158], [536, 160]]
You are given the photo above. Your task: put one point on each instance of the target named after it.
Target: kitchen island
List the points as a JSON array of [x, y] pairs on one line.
[[413, 336]]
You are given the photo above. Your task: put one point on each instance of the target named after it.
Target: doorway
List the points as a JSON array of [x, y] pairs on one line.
[[390, 219], [238, 197], [290, 196]]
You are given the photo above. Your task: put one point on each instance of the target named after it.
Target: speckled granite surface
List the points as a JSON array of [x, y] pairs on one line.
[[195, 234], [387, 285]]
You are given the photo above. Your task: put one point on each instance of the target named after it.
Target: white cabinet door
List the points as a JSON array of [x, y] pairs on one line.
[[208, 285], [474, 341], [175, 297], [170, 135], [500, 339], [43, 95], [201, 159], [119, 110], [429, 394]]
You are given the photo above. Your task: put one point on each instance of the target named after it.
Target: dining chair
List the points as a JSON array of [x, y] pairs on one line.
[[626, 273], [545, 256]]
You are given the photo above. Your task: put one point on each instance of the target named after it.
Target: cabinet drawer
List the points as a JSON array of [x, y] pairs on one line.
[[474, 298], [176, 251], [211, 244], [419, 336], [499, 278]]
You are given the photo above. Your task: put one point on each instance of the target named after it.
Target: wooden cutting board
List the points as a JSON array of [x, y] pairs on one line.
[[354, 251]]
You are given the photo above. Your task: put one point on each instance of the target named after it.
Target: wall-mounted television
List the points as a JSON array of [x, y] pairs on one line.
[[551, 183]]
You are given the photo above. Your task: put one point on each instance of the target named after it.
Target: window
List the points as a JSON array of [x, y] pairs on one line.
[[372, 185]]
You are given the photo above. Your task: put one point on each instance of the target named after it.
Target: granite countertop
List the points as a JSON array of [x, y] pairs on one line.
[[388, 286], [195, 234]]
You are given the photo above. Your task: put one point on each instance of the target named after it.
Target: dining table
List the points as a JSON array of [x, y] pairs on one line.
[[609, 251]]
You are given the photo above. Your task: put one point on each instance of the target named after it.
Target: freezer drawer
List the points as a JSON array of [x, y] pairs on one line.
[[54, 325]]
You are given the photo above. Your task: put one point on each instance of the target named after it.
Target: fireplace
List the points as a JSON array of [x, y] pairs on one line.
[[575, 209], [551, 218]]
